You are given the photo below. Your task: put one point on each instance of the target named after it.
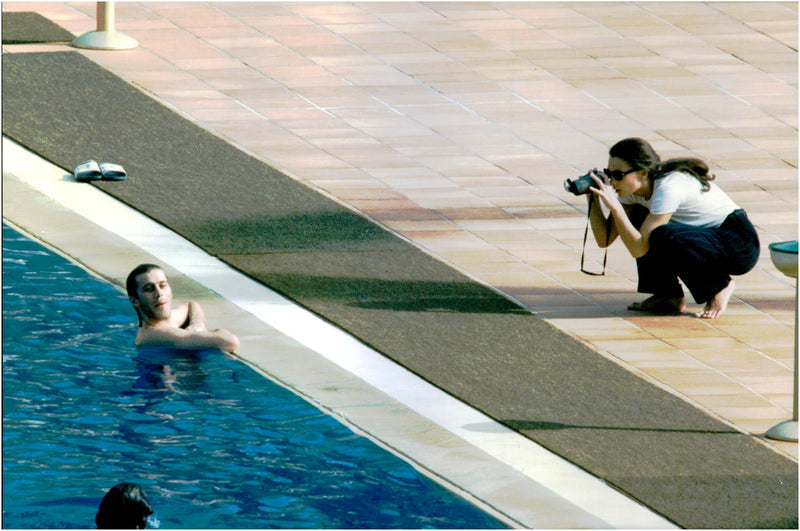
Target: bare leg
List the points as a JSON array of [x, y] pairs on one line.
[[719, 303]]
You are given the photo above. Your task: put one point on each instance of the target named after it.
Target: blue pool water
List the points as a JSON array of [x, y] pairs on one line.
[[213, 443]]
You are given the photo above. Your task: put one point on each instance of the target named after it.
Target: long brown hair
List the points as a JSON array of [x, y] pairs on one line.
[[640, 155]]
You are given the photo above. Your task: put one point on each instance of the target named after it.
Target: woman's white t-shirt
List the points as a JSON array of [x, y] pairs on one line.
[[682, 195]]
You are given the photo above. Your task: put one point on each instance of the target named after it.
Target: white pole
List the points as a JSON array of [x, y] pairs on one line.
[[787, 430], [105, 16], [106, 37]]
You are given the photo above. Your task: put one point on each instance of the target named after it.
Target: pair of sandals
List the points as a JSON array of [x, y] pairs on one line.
[[92, 171]]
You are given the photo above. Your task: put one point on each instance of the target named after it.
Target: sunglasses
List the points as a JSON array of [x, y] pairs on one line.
[[618, 175]]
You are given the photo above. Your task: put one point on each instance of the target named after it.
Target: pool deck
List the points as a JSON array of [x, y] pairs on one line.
[[454, 125]]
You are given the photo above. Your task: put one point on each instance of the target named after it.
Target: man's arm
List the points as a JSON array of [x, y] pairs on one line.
[[169, 336], [195, 318]]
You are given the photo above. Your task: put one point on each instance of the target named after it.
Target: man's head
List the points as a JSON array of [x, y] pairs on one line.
[[124, 506], [149, 292]]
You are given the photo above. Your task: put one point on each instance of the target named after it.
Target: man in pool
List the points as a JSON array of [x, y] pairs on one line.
[[162, 325]]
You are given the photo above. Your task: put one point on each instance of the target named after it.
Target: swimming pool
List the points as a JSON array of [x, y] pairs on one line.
[[214, 444]]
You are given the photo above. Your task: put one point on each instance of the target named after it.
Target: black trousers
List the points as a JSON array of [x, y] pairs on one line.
[[704, 259]]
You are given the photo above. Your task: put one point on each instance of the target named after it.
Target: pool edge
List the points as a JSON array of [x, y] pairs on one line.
[[436, 450]]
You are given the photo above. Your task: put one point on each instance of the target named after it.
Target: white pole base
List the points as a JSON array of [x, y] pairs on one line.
[[105, 40], [785, 431]]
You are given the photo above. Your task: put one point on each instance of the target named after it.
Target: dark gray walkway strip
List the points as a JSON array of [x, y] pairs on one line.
[[459, 335], [28, 28]]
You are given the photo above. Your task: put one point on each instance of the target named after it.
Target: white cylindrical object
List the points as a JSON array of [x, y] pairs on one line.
[[106, 37], [105, 16]]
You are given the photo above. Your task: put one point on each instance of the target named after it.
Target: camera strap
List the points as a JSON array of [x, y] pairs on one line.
[[585, 237]]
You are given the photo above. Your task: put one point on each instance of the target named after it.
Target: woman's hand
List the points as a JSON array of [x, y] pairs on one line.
[[604, 190]]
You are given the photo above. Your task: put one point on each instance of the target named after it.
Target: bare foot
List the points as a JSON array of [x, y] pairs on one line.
[[719, 303], [659, 305]]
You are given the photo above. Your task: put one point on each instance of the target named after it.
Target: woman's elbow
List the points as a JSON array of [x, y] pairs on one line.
[[639, 251]]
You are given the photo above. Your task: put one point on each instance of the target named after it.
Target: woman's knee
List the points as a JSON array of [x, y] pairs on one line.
[[680, 244], [662, 237]]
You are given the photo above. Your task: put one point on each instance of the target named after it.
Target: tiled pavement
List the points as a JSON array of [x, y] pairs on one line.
[[455, 124]]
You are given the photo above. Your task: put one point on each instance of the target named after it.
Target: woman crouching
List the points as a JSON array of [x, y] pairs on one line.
[[677, 224]]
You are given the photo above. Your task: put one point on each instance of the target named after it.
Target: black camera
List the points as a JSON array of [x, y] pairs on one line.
[[580, 185]]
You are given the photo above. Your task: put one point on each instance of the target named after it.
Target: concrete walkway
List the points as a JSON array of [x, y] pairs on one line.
[[455, 124]]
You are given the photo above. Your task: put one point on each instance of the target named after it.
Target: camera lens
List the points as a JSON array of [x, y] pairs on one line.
[[580, 185]]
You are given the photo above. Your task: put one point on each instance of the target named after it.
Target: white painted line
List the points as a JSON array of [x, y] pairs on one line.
[[545, 468]]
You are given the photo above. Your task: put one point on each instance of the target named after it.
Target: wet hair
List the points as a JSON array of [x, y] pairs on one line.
[[131, 286], [124, 506], [640, 155]]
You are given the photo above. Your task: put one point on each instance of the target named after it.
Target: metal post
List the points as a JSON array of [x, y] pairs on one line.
[[106, 37], [787, 430]]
